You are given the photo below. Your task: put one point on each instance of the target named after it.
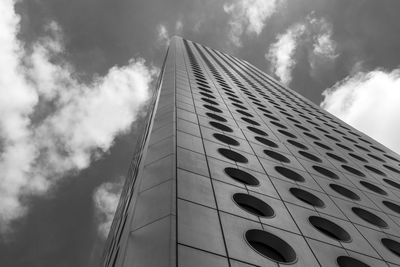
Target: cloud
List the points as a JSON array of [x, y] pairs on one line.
[[281, 52], [178, 27], [369, 101], [325, 46], [315, 34], [323, 43], [51, 124], [162, 35], [248, 16], [106, 198], [325, 49]]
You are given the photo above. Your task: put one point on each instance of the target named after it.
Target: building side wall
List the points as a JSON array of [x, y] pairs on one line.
[[153, 216], [224, 131], [275, 129]]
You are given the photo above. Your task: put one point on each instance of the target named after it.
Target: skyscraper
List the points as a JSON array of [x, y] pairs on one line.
[[235, 169]]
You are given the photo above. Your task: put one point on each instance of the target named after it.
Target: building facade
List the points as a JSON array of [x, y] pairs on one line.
[[234, 169]]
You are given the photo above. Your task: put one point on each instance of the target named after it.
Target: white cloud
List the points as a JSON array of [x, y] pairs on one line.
[[51, 123], [324, 52], [106, 198], [197, 25], [162, 35], [315, 34], [282, 51], [322, 31], [178, 27], [248, 16], [325, 46], [370, 103]]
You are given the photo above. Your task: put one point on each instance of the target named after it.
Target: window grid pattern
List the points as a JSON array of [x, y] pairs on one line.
[[260, 176]]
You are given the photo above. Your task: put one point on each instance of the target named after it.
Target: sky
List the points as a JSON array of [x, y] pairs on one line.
[[76, 77]]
